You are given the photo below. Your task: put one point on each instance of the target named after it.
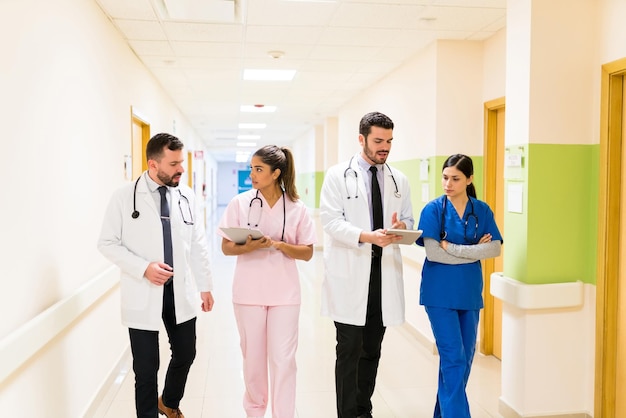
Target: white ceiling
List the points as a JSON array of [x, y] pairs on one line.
[[337, 47]]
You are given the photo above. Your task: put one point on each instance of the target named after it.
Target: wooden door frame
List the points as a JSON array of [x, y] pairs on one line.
[[608, 265], [489, 166], [135, 118]]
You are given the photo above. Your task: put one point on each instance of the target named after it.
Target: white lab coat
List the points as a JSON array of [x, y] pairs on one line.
[[347, 262], [132, 244]]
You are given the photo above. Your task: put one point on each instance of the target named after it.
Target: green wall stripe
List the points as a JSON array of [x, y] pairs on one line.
[[562, 213]]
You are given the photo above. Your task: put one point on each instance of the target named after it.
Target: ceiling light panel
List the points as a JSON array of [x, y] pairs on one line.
[[268, 75], [252, 125]]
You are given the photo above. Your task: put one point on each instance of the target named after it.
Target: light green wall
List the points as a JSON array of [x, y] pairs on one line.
[[309, 186], [554, 239]]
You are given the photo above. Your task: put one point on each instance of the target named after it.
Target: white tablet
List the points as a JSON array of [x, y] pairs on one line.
[[408, 235], [240, 235]]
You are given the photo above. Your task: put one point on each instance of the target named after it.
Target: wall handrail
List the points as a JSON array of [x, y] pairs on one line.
[[23, 343]]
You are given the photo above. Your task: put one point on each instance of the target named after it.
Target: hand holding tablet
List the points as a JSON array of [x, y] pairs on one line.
[[240, 235], [408, 235]]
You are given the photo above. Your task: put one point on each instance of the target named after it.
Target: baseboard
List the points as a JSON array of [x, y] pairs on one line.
[[111, 385], [420, 338], [506, 411]]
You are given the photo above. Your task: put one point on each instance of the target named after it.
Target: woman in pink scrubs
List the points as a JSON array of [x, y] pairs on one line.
[[266, 286]]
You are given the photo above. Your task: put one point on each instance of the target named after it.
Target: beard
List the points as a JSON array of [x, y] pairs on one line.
[[372, 155], [171, 181]]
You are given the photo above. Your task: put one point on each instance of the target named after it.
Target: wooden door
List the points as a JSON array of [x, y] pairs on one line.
[[491, 325], [140, 135], [498, 209], [620, 369], [610, 365]]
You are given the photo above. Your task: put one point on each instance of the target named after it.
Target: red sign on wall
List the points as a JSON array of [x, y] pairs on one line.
[[198, 155]]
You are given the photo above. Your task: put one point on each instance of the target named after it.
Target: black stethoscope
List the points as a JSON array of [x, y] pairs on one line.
[[356, 183], [181, 196], [256, 197], [443, 234]]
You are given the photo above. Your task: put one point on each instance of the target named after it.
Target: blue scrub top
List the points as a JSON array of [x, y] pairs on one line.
[[454, 286]]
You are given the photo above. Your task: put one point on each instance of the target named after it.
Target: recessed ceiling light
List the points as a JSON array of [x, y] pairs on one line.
[[268, 75], [257, 108], [252, 125], [246, 144], [248, 136]]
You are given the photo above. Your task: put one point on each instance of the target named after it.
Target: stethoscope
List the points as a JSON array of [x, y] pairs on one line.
[[181, 196], [444, 234], [356, 183], [256, 197]]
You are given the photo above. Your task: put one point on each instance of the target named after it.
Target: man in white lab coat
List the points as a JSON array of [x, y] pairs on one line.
[[150, 231], [363, 288]]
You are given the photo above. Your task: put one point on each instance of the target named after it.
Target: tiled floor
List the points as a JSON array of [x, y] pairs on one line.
[[406, 384]]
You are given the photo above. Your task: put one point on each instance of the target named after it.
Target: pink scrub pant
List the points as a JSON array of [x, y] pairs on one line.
[[269, 339]]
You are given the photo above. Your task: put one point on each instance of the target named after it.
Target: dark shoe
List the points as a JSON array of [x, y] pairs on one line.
[[169, 412], [368, 415]]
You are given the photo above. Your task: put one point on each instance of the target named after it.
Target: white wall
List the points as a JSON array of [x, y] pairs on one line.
[[494, 66], [68, 82], [304, 150], [228, 180], [407, 96]]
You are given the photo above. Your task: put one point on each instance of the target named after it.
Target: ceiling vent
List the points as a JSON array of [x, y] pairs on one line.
[[215, 11]]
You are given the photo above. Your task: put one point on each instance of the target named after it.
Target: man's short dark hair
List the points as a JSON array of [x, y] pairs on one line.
[[156, 145], [374, 119]]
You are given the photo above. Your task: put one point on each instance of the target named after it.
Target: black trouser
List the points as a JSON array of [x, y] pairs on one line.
[[358, 354], [145, 348]]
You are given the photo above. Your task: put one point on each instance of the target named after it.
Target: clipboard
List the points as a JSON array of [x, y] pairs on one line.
[[408, 235], [240, 235]]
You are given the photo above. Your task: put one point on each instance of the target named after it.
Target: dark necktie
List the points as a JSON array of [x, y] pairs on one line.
[[167, 230], [377, 208]]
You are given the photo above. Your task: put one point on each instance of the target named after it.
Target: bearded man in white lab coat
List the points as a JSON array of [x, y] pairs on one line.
[[363, 288], [151, 231]]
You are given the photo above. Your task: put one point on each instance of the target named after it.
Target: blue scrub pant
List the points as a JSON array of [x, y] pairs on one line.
[[455, 335]]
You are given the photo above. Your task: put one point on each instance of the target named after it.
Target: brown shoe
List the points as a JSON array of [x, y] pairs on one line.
[[169, 412]]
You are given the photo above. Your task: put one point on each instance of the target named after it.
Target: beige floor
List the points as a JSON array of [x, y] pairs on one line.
[[406, 384]]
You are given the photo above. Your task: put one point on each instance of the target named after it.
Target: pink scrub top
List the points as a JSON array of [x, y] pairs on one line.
[[268, 277]]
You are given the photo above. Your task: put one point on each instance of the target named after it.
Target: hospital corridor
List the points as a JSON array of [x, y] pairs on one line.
[[277, 99], [406, 384]]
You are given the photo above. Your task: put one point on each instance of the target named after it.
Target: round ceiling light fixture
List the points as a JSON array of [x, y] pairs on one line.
[[276, 54]]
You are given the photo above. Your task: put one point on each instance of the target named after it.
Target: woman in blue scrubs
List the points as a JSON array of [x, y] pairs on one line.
[[458, 231]]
